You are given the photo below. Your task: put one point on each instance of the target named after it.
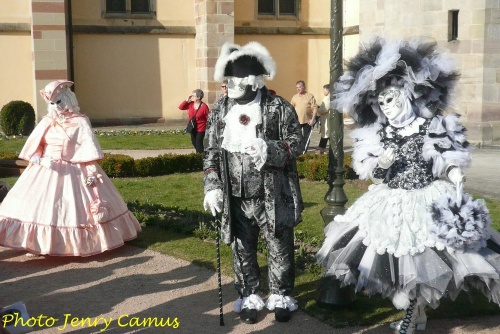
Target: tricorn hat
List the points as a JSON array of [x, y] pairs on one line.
[[242, 61], [54, 89]]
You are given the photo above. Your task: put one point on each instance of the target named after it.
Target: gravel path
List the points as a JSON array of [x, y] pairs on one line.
[[140, 284]]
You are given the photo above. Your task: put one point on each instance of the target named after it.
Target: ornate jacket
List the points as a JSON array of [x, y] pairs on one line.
[[280, 182]]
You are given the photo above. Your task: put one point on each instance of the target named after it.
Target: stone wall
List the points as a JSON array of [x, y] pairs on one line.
[[477, 49], [214, 20], [50, 58]]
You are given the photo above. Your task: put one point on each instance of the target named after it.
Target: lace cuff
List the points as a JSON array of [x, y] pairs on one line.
[[281, 301], [252, 302]]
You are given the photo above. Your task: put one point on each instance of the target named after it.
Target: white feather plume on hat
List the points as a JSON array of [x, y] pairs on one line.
[[230, 52]]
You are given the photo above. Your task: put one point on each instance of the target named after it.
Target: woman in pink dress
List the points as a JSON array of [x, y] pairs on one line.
[[63, 204]]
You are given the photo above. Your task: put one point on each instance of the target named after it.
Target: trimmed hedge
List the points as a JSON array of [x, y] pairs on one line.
[[168, 164], [312, 167], [17, 118], [8, 156], [117, 165]]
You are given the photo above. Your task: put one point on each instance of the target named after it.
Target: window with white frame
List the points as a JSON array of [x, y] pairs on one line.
[[280, 9], [128, 8]]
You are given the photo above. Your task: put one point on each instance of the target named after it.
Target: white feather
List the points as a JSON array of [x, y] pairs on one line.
[[251, 49]]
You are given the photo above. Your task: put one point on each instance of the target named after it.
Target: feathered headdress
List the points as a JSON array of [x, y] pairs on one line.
[[426, 75], [242, 61]]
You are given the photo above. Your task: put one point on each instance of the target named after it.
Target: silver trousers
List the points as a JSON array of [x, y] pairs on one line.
[[249, 220]]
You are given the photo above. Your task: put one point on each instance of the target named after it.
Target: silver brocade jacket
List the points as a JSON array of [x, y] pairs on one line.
[[281, 131]]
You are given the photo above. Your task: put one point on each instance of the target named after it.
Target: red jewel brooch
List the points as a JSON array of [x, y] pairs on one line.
[[244, 119]]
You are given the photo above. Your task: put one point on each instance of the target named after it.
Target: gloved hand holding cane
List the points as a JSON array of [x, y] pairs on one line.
[[213, 201]]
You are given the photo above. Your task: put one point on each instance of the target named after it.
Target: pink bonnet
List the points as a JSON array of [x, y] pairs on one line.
[[54, 89]]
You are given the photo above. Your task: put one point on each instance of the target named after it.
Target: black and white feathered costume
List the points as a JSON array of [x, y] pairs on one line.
[[405, 238]]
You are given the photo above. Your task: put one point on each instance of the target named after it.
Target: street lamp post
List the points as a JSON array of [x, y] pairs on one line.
[[329, 291]]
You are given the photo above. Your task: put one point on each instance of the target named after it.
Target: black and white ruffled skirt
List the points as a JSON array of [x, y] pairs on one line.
[[384, 244]]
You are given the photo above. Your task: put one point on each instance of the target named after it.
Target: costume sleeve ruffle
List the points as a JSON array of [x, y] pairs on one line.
[[367, 148], [445, 144]]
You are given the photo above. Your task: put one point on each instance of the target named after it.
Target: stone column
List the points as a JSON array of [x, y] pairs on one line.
[[50, 58], [214, 20]]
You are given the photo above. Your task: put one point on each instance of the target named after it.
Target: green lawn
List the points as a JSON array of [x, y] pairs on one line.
[[109, 141], [182, 195]]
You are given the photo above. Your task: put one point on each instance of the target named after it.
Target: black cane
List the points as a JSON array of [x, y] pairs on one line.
[[217, 246], [306, 146]]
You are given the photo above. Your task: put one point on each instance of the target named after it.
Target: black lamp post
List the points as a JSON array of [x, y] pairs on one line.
[[335, 197], [329, 291]]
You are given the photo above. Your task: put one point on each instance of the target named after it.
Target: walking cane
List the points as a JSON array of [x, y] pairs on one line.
[[217, 246], [308, 141]]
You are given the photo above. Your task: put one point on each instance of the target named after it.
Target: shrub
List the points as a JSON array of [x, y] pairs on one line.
[[314, 167], [168, 164], [148, 166], [17, 117], [117, 165], [8, 156], [190, 162]]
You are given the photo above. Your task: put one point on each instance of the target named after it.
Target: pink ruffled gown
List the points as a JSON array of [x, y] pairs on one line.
[[49, 211]]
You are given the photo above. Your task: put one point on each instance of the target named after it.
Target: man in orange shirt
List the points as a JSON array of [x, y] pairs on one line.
[[306, 108]]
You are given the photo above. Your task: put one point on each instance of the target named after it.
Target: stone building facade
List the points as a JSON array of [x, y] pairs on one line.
[[137, 65]]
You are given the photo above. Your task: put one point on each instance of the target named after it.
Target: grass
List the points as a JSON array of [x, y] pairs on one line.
[[178, 200], [364, 310], [118, 142], [145, 142]]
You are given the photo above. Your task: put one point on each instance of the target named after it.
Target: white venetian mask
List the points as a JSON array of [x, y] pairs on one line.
[[392, 102], [235, 87]]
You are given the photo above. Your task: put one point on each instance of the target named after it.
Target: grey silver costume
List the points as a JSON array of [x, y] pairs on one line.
[[268, 200]]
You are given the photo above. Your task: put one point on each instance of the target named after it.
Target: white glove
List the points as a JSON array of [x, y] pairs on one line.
[[386, 159], [213, 201], [46, 162], [456, 175], [257, 149], [35, 159], [91, 169]]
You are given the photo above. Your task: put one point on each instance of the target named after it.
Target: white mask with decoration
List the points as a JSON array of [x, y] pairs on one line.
[[396, 106]]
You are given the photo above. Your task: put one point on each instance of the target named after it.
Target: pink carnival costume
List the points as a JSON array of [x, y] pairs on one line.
[[63, 203]]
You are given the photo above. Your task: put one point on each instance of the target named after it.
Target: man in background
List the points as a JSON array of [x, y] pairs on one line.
[[306, 108]]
